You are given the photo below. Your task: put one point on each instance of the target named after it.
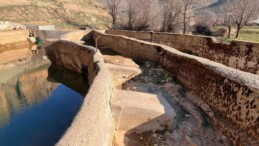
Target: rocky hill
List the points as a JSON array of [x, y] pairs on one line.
[[65, 14], [68, 14], [215, 5]]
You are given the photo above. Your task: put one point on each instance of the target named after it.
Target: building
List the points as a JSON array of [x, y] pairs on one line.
[[40, 27]]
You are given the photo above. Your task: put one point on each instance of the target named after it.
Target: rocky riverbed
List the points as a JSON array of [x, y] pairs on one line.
[[191, 127]]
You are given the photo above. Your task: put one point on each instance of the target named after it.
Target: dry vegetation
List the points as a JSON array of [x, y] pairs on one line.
[[178, 16], [185, 16], [158, 15], [63, 13]]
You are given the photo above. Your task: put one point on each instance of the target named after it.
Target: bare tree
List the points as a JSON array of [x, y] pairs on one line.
[[163, 15], [187, 8], [113, 7], [244, 11], [171, 14], [142, 19], [131, 13], [226, 14], [140, 14]]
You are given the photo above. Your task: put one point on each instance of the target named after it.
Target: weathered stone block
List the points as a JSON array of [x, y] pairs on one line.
[[140, 112]]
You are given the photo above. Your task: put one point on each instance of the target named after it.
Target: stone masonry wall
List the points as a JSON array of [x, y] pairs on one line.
[[232, 94], [93, 125], [240, 55]]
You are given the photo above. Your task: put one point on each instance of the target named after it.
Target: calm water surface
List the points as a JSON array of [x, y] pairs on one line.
[[38, 103]]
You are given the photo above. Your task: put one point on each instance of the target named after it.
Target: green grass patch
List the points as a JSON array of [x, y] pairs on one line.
[[247, 33]]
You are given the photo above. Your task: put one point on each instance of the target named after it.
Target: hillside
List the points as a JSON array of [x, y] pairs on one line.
[[215, 6], [68, 14]]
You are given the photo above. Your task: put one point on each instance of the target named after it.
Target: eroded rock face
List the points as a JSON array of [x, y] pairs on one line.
[[13, 39]]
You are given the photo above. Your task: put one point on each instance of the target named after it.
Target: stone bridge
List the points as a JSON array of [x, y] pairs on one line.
[[223, 77]]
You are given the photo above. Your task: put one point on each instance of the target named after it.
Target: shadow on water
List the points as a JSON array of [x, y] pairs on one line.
[[76, 82], [37, 106]]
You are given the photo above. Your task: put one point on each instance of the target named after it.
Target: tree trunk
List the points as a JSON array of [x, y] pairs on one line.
[[238, 31], [113, 20], [130, 23], [185, 19], [184, 23], [229, 31]]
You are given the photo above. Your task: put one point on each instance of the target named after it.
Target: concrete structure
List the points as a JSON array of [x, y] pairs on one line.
[[231, 95], [40, 27], [102, 111], [93, 124], [240, 55], [255, 21], [229, 92], [54, 35], [132, 109], [121, 68], [46, 32], [50, 35]]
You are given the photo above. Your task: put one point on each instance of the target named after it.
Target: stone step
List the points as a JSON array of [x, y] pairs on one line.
[[140, 112], [122, 74], [122, 69]]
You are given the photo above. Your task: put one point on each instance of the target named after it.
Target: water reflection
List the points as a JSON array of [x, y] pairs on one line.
[[16, 56], [30, 88], [14, 62], [38, 103], [70, 79]]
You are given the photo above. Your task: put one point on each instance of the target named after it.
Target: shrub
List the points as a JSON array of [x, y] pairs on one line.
[[202, 29]]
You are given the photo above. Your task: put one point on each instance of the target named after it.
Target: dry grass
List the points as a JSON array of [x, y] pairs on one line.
[[65, 14]]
